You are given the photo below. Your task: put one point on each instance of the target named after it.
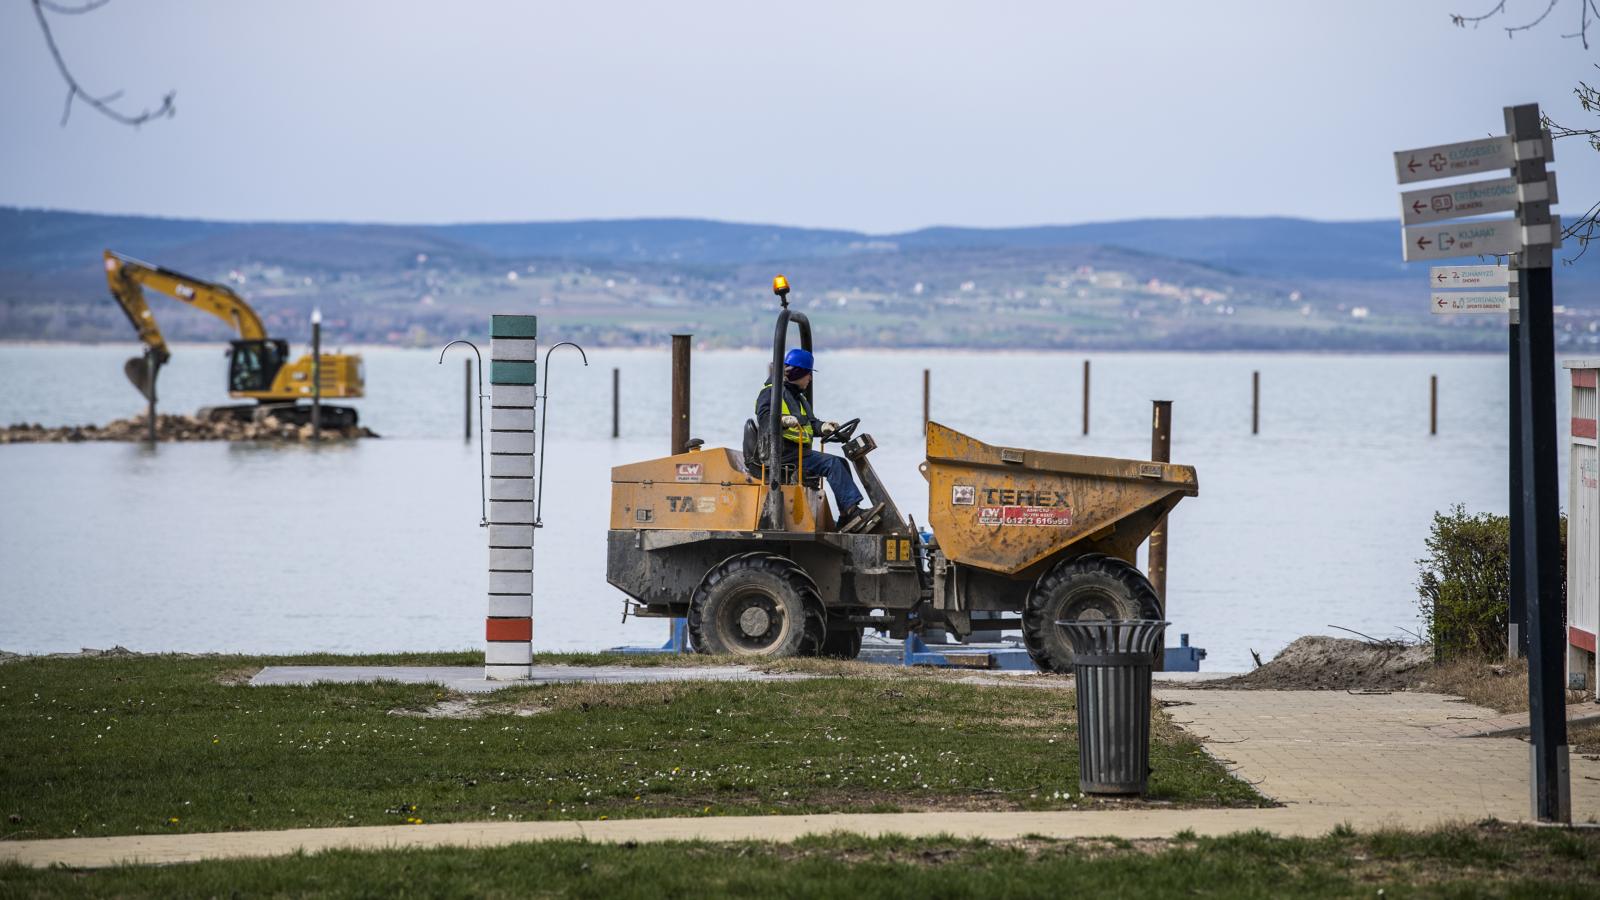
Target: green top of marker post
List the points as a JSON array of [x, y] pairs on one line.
[[514, 326]]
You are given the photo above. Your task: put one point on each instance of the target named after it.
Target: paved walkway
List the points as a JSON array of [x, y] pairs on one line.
[[1369, 760], [1355, 754]]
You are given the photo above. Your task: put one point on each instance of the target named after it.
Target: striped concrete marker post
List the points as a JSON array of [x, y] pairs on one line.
[[512, 375]]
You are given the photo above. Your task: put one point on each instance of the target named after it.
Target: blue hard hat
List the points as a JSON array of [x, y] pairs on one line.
[[800, 359]]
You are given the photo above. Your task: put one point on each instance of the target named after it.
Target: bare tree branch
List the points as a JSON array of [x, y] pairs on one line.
[[1461, 21], [1587, 226], [1499, 9], [75, 91], [91, 6]]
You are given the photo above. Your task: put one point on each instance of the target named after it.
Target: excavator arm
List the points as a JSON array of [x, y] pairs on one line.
[[128, 277]]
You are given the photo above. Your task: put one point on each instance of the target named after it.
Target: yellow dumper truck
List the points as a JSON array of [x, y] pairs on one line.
[[751, 556]]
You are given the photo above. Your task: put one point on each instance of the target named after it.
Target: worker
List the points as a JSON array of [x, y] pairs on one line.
[[799, 427]]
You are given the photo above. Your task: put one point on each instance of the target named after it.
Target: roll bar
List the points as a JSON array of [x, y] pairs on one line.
[[780, 338]]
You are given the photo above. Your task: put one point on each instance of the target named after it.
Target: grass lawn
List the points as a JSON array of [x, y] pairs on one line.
[[170, 744], [1485, 860]]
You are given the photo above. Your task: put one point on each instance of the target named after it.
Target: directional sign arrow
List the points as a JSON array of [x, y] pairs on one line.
[[1469, 302], [1475, 198], [1471, 276], [1448, 160], [1482, 237]]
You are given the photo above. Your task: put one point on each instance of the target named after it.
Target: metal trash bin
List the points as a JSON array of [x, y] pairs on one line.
[[1111, 661]]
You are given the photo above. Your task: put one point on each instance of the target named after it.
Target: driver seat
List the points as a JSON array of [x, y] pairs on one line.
[[755, 458]]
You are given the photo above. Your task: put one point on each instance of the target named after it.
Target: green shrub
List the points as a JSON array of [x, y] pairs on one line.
[[1464, 583]]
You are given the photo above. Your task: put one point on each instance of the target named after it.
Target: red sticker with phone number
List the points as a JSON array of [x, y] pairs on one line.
[[1024, 515]]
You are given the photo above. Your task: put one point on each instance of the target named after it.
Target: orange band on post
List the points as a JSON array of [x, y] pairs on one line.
[[509, 629]]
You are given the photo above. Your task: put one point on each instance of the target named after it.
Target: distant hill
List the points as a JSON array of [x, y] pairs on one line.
[[1206, 284], [42, 239]]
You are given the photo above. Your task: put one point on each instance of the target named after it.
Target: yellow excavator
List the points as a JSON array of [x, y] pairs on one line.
[[258, 369]]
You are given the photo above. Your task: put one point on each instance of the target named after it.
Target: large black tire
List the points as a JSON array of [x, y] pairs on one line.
[[756, 604], [843, 644], [1088, 587]]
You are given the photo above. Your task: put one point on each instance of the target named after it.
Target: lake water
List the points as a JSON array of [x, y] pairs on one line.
[[375, 545]]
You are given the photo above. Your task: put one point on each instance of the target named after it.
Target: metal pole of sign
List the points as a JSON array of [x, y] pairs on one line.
[[1540, 502], [1517, 613], [616, 398], [466, 399]]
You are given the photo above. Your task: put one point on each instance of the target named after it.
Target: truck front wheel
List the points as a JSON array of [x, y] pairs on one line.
[[756, 604], [1085, 588]]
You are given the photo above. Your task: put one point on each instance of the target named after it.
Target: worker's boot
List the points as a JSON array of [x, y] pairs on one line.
[[857, 519]]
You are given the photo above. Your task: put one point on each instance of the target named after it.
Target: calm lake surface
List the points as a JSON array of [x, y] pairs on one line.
[[375, 545]]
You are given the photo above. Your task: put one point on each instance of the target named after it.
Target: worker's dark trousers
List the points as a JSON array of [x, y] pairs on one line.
[[837, 470]]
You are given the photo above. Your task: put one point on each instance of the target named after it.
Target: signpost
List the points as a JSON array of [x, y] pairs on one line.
[[1468, 276], [1475, 198], [1450, 160], [1450, 302], [1477, 237], [1529, 239]]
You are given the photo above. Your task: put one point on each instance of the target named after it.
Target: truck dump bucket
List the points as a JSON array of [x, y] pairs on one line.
[[1010, 510]]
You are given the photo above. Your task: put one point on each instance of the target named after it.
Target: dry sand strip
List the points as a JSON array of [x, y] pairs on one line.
[[89, 853]]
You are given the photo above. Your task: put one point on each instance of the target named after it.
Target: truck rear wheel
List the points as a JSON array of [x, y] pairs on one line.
[[1088, 587], [755, 604]]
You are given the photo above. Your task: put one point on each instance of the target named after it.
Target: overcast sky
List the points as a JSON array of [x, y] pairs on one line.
[[876, 116]]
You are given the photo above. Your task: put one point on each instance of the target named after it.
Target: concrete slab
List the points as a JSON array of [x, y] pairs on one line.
[[470, 680]]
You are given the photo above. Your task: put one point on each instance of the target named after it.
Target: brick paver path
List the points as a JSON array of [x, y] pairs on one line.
[[1389, 754]]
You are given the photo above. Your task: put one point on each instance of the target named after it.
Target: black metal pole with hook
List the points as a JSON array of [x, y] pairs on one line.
[[483, 497], [544, 415]]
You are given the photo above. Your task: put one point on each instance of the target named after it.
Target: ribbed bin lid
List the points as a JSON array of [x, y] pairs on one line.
[[1102, 636]]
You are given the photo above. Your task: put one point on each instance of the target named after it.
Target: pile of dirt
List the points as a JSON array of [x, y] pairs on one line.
[[176, 428], [1320, 663]]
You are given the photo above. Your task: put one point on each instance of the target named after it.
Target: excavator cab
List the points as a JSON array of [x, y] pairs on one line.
[[254, 365]]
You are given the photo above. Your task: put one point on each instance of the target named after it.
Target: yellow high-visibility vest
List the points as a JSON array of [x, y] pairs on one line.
[[803, 434]]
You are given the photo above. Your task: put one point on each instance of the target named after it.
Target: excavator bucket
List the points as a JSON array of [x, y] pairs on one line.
[[141, 370]]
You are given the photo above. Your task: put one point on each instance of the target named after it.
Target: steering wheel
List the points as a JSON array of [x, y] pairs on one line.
[[843, 433]]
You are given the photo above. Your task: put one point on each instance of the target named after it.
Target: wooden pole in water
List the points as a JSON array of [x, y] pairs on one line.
[[680, 393], [1255, 402], [466, 406], [150, 411], [1433, 404], [316, 374], [1161, 452], [924, 401], [1086, 397], [616, 402]]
